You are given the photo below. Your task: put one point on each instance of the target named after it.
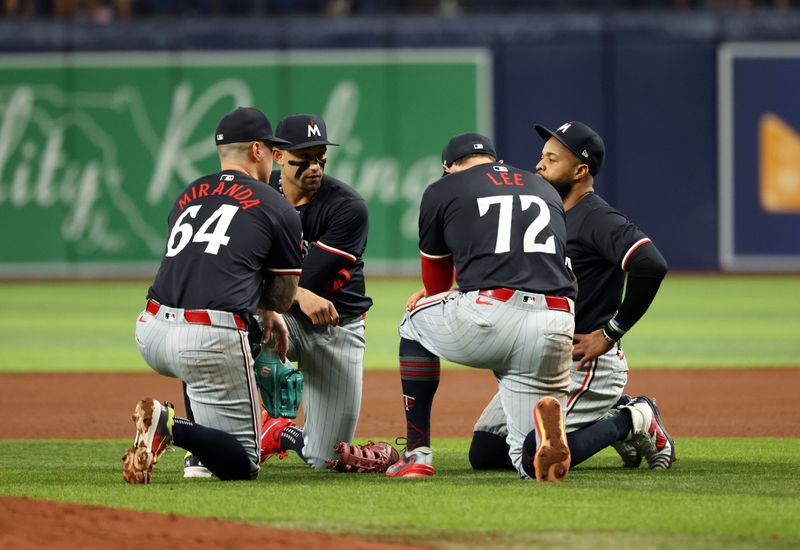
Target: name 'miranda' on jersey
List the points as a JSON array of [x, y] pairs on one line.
[[225, 187]]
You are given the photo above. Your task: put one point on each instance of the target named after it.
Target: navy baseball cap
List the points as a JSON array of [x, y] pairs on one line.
[[467, 144], [581, 140], [301, 131], [244, 124]]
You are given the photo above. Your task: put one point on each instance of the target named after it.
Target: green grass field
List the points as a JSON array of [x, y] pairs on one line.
[[695, 321], [722, 493]]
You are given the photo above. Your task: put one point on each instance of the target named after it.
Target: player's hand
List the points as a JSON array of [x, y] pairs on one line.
[[317, 308], [414, 298], [276, 334], [588, 347]]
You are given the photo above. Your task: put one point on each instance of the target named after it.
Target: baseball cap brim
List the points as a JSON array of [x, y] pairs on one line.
[[547, 134], [276, 141], [305, 144]]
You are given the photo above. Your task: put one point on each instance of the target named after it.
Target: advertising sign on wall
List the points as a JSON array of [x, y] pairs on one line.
[[759, 143], [95, 147]]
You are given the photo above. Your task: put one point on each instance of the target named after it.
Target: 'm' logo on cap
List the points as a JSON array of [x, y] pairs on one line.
[[477, 145], [313, 130], [564, 127], [220, 137], [585, 154]]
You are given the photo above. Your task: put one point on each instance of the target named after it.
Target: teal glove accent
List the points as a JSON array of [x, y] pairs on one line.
[[280, 384]]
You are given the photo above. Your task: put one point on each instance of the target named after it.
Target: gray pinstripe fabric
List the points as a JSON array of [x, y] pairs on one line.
[[527, 345], [215, 362], [592, 393], [332, 361]]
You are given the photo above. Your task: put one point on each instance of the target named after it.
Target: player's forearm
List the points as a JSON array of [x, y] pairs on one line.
[[646, 270], [639, 294], [303, 295], [279, 293]]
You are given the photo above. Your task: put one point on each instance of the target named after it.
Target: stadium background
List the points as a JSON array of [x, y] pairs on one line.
[[103, 118], [101, 123]]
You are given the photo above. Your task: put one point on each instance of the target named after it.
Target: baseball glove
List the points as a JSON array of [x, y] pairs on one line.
[[280, 384], [358, 459]]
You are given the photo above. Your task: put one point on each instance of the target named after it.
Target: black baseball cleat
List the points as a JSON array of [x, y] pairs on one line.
[[192, 467]]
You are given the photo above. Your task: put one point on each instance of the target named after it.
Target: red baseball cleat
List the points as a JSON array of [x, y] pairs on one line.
[[416, 463], [271, 431]]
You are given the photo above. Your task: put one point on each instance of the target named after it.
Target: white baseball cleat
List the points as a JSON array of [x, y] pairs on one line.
[[649, 435]]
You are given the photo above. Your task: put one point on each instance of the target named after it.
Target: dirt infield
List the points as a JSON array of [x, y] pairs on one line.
[[695, 403], [31, 524]]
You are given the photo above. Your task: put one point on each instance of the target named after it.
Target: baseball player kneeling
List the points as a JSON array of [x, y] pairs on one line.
[[503, 231], [603, 246], [327, 321]]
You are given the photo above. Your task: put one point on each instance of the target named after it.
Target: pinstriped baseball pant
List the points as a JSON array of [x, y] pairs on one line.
[[332, 361], [216, 364], [592, 393], [525, 344]]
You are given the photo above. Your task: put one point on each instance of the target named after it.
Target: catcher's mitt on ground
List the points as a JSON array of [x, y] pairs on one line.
[[358, 459]]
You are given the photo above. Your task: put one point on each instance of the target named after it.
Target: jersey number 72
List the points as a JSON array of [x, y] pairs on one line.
[[539, 223]]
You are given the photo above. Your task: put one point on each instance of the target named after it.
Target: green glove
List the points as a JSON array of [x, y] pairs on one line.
[[280, 384]]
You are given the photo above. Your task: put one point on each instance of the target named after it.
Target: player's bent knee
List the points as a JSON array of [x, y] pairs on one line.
[[489, 451], [414, 348]]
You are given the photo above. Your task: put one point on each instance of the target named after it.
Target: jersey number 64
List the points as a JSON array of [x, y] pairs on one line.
[[183, 233]]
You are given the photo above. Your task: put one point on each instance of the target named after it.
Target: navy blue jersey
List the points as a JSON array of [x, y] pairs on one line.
[[226, 232], [335, 226], [503, 226], [599, 241]]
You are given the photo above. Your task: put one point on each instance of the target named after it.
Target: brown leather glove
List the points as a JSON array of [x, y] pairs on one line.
[[357, 459]]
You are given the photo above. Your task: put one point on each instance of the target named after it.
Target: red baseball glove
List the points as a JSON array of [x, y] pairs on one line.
[[357, 459]]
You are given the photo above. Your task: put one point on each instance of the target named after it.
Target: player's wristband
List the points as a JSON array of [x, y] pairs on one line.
[[613, 332]]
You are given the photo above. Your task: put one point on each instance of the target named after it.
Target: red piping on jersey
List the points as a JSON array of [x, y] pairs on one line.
[[336, 251], [278, 271], [585, 384], [437, 274], [248, 374], [434, 256], [631, 250], [422, 304]]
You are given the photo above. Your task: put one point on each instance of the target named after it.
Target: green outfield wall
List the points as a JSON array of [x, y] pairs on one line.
[[95, 147]]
